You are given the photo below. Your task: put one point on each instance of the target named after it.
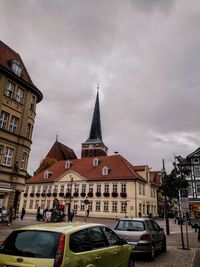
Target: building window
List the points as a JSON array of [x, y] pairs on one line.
[[24, 203], [75, 205], [37, 204], [31, 204], [124, 207], [83, 188], [1, 153], [49, 189], [114, 188], [141, 189], [55, 189], [26, 189], [8, 156], [105, 171], [106, 188], [197, 171], [76, 188], [24, 161], [33, 103], [28, 130], [19, 95], [98, 206], [16, 67], [48, 204], [38, 189], [90, 206], [95, 162], [98, 188], [62, 187], [33, 189], [123, 188], [14, 124], [4, 120], [198, 188], [91, 188], [105, 206], [114, 206], [10, 90], [42, 204], [82, 205]]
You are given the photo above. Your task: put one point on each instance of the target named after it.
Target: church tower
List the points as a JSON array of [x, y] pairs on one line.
[[94, 146]]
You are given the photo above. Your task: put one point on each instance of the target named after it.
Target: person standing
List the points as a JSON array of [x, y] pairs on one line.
[[22, 214]]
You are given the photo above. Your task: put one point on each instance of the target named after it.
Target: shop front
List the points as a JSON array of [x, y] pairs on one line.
[[5, 189]]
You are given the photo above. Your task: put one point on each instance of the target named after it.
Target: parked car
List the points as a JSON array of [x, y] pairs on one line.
[[66, 244], [144, 234]]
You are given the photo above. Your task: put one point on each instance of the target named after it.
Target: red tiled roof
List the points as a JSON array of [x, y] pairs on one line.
[[7, 54], [61, 152], [120, 169]]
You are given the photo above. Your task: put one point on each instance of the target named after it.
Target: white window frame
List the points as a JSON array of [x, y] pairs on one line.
[[106, 188], [8, 156], [106, 206], [98, 206], [115, 187], [114, 206], [123, 188], [14, 124], [10, 89], [4, 119], [19, 95], [105, 170]]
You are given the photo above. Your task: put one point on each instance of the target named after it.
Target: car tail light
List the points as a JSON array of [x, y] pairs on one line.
[[145, 237], [60, 251]]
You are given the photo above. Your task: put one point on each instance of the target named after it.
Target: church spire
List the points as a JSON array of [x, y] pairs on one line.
[[94, 145], [95, 130]]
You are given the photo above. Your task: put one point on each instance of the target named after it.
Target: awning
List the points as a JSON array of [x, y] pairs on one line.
[[5, 190]]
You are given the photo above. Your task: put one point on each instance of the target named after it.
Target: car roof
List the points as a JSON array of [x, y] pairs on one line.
[[134, 219], [64, 227]]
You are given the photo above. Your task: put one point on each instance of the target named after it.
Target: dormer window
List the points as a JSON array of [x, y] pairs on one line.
[[105, 170], [16, 67], [95, 162], [47, 174], [68, 164]]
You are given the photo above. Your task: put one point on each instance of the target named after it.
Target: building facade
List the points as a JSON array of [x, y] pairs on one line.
[[111, 185], [18, 100], [192, 162]]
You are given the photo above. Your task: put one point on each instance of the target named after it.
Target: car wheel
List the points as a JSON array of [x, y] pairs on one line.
[[151, 254], [131, 262]]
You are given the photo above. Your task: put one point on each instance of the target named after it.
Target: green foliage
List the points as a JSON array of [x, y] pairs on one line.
[[174, 181]]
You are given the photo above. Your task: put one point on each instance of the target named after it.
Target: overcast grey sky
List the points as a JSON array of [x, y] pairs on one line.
[[143, 53]]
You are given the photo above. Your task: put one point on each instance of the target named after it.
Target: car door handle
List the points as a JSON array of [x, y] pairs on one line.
[[97, 258], [115, 253]]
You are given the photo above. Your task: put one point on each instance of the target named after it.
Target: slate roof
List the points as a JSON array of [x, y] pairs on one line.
[[6, 55], [119, 169], [60, 151]]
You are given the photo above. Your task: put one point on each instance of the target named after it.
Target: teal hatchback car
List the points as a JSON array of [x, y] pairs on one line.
[[65, 244]]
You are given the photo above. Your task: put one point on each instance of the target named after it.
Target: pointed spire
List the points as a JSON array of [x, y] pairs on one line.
[[95, 130]]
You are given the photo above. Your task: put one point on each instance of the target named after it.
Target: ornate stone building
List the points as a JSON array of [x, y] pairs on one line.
[[18, 100]]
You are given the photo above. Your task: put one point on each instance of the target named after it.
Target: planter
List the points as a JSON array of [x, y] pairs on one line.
[[83, 194], [105, 194], [114, 194], [68, 195], [37, 194], [124, 195], [61, 194], [90, 194], [43, 194], [98, 194], [31, 194], [49, 194], [54, 194], [75, 194], [25, 194]]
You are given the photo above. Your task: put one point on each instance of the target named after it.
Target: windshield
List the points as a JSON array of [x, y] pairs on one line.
[[36, 244], [127, 225]]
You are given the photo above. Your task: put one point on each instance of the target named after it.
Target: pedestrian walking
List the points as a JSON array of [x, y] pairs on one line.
[[10, 216], [38, 215], [88, 212], [23, 213], [199, 233], [71, 215]]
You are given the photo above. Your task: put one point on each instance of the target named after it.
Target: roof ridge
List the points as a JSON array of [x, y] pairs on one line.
[[130, 168]]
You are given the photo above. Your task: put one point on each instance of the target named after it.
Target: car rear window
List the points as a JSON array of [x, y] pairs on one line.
[[127, 225], [34, 244]]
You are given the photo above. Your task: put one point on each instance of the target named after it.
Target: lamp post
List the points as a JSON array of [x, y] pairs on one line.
[[70, 198]]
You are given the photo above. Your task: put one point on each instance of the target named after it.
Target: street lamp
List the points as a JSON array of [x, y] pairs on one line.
[[70, 198]]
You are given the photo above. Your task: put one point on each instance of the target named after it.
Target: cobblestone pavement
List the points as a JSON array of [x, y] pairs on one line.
[[174, 257]]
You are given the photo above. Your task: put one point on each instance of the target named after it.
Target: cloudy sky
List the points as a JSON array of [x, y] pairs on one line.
[[143, 53]]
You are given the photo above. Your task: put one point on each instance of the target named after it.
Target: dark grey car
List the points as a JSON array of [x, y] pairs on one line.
[[144, 234]]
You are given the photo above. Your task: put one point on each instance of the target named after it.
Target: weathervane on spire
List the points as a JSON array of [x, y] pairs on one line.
[[57, 137], [98, 87]]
